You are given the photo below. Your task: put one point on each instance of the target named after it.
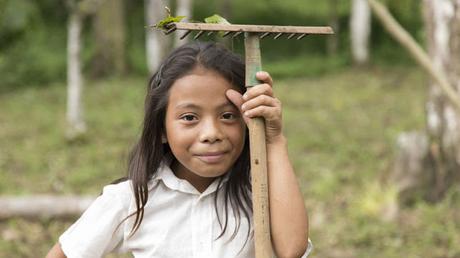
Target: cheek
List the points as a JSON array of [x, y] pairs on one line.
[[176, 136], [179, 147], [238, 136]]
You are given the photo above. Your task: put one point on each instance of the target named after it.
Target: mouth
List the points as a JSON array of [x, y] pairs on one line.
[[211, 157]]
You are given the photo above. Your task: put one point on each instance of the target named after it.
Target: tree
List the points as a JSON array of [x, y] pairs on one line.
[[184, 8], [156, 41], [333, 42], [76, 125], [427, 164], [360, 28], [224, 8], [442, 20], [109, 35]]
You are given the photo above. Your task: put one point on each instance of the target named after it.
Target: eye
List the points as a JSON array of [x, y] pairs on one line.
[[229, 116], [188, 118]]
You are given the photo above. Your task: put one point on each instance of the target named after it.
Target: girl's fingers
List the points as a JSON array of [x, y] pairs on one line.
[[237, 100], [261, 100], [235, 97], [258, 101], [264, 77], [260, 89], [268, 113]]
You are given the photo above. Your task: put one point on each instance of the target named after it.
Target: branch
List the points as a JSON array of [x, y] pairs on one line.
[[420, 56], [43, 206]]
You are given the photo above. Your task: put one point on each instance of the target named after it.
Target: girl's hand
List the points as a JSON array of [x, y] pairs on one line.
[[259, 101]]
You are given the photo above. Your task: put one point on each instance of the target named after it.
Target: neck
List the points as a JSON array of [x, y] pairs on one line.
[[200, 183]]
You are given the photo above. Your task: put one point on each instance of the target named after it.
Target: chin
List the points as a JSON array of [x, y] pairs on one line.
[[212, 172]]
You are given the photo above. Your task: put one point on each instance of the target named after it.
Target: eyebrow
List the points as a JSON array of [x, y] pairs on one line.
[[189, 105]]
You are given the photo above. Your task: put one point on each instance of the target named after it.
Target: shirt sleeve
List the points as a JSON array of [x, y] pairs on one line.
[[309, 249], [98, 230]]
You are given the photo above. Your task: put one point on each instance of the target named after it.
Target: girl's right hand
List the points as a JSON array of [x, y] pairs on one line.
[[259, 101]]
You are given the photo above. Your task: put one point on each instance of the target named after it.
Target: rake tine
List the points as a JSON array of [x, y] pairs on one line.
[[226, 34], [265, 34], [301, 36], [170, 30], [291, 35], [198, 34], [236, 34], [185, 34], [278, 35]]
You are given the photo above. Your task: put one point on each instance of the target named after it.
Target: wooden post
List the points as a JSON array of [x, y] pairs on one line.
[[262, 239]]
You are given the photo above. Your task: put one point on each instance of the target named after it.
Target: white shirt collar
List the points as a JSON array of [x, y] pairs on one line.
[[167, 176]]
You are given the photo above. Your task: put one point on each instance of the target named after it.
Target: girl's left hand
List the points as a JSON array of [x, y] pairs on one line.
[[259, 101]]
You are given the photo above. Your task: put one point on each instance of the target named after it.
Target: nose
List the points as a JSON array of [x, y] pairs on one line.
[[210, 131]]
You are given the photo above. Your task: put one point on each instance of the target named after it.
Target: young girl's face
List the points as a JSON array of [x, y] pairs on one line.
[[204, 130]]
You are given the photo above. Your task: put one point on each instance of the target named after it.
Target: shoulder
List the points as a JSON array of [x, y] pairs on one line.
[[122, 192], [121, 188], [115, 198], [97, 230]]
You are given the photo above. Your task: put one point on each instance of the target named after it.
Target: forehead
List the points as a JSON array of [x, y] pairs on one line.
[[200, 87]]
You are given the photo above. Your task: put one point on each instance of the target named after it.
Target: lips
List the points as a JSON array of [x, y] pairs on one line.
[[211, 157]]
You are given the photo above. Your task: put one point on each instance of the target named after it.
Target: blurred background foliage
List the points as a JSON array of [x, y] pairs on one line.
[[33, 37]]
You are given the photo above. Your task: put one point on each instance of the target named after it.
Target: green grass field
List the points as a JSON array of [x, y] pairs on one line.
[[341, 128]]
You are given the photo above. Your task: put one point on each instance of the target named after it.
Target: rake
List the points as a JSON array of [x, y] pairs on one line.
[[258, 153]]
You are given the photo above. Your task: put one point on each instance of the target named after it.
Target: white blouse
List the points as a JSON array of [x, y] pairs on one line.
[[178, 221]]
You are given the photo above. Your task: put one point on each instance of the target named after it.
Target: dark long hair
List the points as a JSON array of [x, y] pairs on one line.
[[148, 153]]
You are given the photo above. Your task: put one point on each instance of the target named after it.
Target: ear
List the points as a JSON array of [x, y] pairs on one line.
[[164, 139]]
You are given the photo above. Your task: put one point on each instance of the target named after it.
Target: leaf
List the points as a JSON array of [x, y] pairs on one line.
[[216, 19], [162, 24]]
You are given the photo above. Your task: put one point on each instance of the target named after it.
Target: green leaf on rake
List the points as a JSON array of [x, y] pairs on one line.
[[162, 25], [216, 19]]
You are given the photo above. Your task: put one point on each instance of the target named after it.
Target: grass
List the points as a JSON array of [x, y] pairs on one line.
[[341, 129]]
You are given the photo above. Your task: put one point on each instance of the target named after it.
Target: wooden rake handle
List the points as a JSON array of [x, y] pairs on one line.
[[258, 151]]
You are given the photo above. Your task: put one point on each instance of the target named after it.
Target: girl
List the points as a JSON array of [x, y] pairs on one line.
[[188, 193]]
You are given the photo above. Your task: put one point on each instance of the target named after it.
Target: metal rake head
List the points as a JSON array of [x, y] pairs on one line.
[[235, 30]]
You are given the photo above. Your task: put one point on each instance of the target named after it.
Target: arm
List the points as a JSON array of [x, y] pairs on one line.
[[56, 252], [288, 218]]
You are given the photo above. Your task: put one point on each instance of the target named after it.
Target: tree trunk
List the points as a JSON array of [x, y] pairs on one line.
[[442, 19], [76, 125], [333, 40], [412, 174], [428, 170], [75, 122], [184, 8], [156, 41], [224, 8], [360, 27], [109, 35]]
